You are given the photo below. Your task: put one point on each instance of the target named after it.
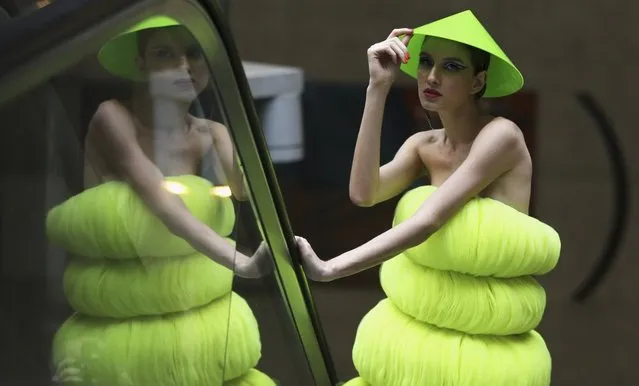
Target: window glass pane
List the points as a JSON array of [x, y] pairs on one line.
[[130, 252]]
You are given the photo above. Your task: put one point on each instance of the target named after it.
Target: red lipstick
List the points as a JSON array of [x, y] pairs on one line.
[[431, 93]]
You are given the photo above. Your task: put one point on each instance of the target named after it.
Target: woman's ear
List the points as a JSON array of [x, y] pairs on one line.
[[479, 82]]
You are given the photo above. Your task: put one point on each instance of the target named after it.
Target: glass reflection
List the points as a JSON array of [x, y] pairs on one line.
[[151, 240]]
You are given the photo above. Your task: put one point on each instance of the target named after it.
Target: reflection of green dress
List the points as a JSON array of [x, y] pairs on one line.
[[149, 309], [462, 306]]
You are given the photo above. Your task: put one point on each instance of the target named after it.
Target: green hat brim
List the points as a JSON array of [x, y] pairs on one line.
[[118, 55], [503, 77]]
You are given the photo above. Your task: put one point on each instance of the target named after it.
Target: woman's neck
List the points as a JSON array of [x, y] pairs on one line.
[[462, 124], [159, 113]]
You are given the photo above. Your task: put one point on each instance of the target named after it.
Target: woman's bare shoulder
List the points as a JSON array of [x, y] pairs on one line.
[[503, 126], [425, 137]]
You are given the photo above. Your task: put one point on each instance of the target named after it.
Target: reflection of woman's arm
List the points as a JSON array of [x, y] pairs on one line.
[[223, 145], [497, 149], [113, 136]]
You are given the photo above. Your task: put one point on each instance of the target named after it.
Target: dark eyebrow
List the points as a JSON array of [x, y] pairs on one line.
[[159, 46], [453, 59], [450, 58]]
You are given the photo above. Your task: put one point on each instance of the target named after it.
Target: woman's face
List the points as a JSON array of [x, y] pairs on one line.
[[173, 63], [445, 77]]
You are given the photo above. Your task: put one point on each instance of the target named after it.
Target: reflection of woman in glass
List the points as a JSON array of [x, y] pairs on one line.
[[152, 265], [458, 262], [152, 135]]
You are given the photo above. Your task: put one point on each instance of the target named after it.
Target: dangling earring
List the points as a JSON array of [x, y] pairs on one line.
[[430, 123]]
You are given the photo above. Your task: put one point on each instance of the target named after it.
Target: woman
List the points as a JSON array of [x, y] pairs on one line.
[[152, 262], [152, 135], [476, 160]]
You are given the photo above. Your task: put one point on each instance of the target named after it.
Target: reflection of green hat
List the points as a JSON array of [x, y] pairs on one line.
[[118, 54], [503, 77]]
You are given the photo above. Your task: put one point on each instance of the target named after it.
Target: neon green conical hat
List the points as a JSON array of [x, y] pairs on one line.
[[118, 55], [503, 77]]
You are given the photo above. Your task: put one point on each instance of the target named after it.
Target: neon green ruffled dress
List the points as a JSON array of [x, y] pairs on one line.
[[150, 310], [462, 307]]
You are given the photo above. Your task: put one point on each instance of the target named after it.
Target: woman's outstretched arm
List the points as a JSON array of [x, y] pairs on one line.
[[497, 149]]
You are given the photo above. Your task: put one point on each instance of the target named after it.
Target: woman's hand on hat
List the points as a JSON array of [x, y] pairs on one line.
[[385, 57]]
